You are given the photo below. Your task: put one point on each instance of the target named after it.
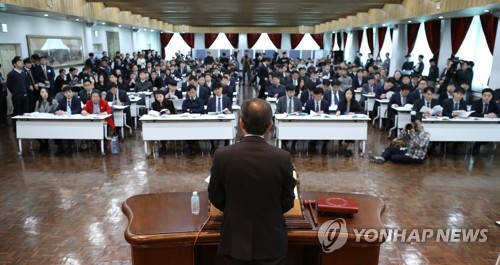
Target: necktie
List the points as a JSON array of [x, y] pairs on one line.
[[403, 101], [289, 105], [336, 98], [421, 95], [88, 96], [317, 106], [371, 89], [116, 97], [428, 104], [45, 72], [219, 107], [485, 109], [69, 105], [456, 106]]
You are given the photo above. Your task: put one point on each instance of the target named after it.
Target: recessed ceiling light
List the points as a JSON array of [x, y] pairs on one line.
[[119, 26], [441, 17], [152, 31], [384, 25], [145, 29], [486, 11], [133, 27], [104, 23], [409, 21], [77, 19], [45, 15]]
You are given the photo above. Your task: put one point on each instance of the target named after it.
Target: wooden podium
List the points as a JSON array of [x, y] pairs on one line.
[[162, 230]]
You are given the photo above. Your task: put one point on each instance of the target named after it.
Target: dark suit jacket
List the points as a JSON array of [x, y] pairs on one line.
[[356, 83], [328, 96], [252, 183], [448, 107], [143, 86], [204, 94], [444, 96], [226, 103], [83, 95], [415, 95], [76, 105], [122, 96], [418, 104], [282, 107], [40, 77], [167, 104], [304, 97], [177, 93], [478, 107], [263, 73], [194, 106], [396, 99], [273, 90], [310, 105], [355, 107]]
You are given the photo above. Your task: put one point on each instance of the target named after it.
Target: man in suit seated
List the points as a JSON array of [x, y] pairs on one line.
[[320, 106], [448, 94], [313, 81], [86, 92], [427, 101], [335, 95], [416, 141], [359, 81], [450, 105], [289, 104], [143, 85], [368, 88], [67, 106], [172, 92], [275, 90], [399, 99], [201, 90], [117, 96], [219, 104], [192, 104], [484, 108], [419, 92]]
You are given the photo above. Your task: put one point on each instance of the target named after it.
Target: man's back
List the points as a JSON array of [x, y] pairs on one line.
[[252, 183]]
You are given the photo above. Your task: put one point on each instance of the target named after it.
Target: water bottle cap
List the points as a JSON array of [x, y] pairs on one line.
[[195, 193]]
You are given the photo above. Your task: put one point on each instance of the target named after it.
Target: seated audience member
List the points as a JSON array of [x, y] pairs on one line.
[[427, 101], [485, 107], [45, 104], [451, 105], [101, 83], [219, 104], [192, 104], [289, 104], [319, 106], [68, 105], [98, 106], [275, 90], [419, 92], [416, 140], [113, 79], [369, 88], [130, 83], [202, 91], [399, 99], [381, 92], [468, 96], [155, 81], [164, 106], [349, 106], [448, 94], [143, 85], [172, 92], [306, 95], [496, 95], [117, 96], [86, 92], [61, 79]]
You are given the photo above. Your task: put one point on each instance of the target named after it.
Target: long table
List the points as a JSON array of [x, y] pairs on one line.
[[162, 230], [472, 129], [49, 126], [188, 127], [324, 127]]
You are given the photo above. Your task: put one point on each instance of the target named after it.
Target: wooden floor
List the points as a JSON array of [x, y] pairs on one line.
[[66, 210]]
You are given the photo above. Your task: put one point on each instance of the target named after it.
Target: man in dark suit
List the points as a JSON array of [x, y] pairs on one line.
[[192, 104], [202, 91], [90, 62], [485, 107], [306, 95], [86, 93], [220, 104], [18, 84], [399, 100], [453, 104], [275, 90], [468, 96], [320, 106], [289, 104], [263, 73], [419, 92], [448, 94], [335, 95], [172, 92], [254, 231], [360, 80], [407, 67], [33, 90], [45, 74], [427, 101], [313, 80], [117, 96], [209, 59], [70, 104], [143, 84]]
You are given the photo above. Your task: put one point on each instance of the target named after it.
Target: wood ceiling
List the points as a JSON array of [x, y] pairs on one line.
[[275, 13]]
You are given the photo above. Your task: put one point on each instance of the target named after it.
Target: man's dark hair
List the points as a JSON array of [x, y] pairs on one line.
[[67, 88], [27, 61], [427, 89], [318, 90], [422, 80], [256, 115], [91, 54], [191, 87], [371, 77], [290, 88], [87, 81], [16, 59], [335, 82], [487, 90], [459, 90], [326, 82], [95, 92], [172, 82], [405, 87], [391, 80], [217, 84]]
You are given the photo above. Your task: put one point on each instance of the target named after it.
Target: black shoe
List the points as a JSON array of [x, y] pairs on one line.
[[162, 150]]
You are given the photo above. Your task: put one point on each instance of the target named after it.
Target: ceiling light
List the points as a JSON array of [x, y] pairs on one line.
[[119, 26], [45, 15], [409, 21], [145, 29], [104, 23], [384, 25], [486, 11], [152, 31], [441, 17], [77, 19], [133, 27]]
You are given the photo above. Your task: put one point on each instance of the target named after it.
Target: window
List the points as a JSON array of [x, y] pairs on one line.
[[348, 48], [221, 43], [474, 48], [335, 45], [365, 49], [422, 48], [264, 43], [387, 46], [176, 44], [307, 43]]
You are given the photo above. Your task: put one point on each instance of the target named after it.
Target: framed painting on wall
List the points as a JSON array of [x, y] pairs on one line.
[[60, 51]]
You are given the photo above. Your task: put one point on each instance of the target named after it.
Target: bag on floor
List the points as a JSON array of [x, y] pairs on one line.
[[114, 145]]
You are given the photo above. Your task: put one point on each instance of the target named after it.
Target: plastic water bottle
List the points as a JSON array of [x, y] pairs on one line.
[[69, 112], [195, 203]]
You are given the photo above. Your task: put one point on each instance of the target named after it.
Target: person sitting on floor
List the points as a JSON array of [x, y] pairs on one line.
[[417, 141]]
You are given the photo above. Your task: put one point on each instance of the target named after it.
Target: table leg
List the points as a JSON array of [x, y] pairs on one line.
[[125, 123], [20, 147], [146, 148], [395, 126], [363, 146], [102, 148], [378, 117], [279, 143]]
